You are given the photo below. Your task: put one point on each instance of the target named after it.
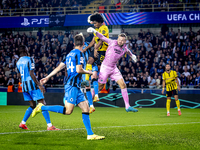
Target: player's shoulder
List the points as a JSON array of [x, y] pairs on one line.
[[104, 27], [164, 73], [174, 72], [74, 53]]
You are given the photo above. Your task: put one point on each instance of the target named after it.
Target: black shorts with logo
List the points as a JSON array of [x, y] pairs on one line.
[[170, 93], [99, 59]]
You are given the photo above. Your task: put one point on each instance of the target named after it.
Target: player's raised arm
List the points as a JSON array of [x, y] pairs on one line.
[[90, 45], [55, 71], [99, 35], [134, 58]]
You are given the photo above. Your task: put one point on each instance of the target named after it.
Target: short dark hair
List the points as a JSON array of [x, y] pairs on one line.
[[167, 64], [122, 35], [22, 49], [79, 40], [97, 17]]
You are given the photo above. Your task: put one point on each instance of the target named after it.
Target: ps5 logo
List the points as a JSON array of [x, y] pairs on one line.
[[35, 21]]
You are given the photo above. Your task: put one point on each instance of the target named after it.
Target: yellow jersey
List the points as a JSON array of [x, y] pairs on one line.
[[103, 30], [170, 80]]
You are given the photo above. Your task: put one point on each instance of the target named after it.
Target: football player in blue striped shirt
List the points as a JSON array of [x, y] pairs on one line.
[[73, 94], [93, 78], [31, 88]]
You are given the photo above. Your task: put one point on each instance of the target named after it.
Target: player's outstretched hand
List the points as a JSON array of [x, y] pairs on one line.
[[91, 30], [134, 58], [43, 81], [42, 88], [90, 72]]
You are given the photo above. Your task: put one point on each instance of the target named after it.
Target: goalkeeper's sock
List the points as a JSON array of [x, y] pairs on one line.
[[56, 108], [88, 67], [125, 97], [178, 104], [168, 105]]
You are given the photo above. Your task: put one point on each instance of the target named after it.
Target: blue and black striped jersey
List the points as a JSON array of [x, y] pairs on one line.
[[75, 57], [24, 65], [86, 55]]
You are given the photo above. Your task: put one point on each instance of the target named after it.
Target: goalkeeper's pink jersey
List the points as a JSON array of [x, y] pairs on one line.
[[114, 52]]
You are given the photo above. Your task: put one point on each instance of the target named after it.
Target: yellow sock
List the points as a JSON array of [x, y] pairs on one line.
[[88, 67], [168, 104], [178, 104]]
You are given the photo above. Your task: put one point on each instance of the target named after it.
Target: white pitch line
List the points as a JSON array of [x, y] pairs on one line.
[[140, 125]]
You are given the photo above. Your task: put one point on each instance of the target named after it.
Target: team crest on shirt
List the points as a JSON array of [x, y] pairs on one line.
[[103, 32], [123, 49]]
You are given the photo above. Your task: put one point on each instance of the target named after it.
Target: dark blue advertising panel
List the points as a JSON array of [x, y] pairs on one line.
[[137, 18], [110, 19], [21, 22]]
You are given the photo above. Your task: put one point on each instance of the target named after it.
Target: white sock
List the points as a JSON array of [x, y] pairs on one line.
[[23, 122], [91, 105], [97, 95], [167, 111], [49, 125], [178, 109]]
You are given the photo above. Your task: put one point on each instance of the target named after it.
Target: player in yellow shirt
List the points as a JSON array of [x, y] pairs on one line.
[[172, 86], [100, 47]]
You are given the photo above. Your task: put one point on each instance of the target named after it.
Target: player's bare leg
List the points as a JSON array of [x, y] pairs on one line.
[[124, 92], [177, 104], [95, 92], [168, 105], [101, 86], [86, 120]]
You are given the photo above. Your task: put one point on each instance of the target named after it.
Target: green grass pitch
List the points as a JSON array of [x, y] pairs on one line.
[[149, 129]]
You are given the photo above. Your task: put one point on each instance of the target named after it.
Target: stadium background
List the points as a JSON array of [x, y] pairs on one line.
[[159, 32]]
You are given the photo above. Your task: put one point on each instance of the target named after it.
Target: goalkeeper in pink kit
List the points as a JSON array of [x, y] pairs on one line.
[[116, 49]]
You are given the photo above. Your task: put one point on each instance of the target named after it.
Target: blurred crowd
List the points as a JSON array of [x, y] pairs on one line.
[[179, 49], [47, 7], [47, 51]]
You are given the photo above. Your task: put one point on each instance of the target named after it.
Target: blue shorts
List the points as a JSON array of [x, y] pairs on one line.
[[94, 68], [73, 95], [33, 95]]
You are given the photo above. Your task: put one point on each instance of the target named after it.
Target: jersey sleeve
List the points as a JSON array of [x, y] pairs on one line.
[[79, 58], [31, 64], [175, 74], [128, 51], [104, 31], [163, 76]]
